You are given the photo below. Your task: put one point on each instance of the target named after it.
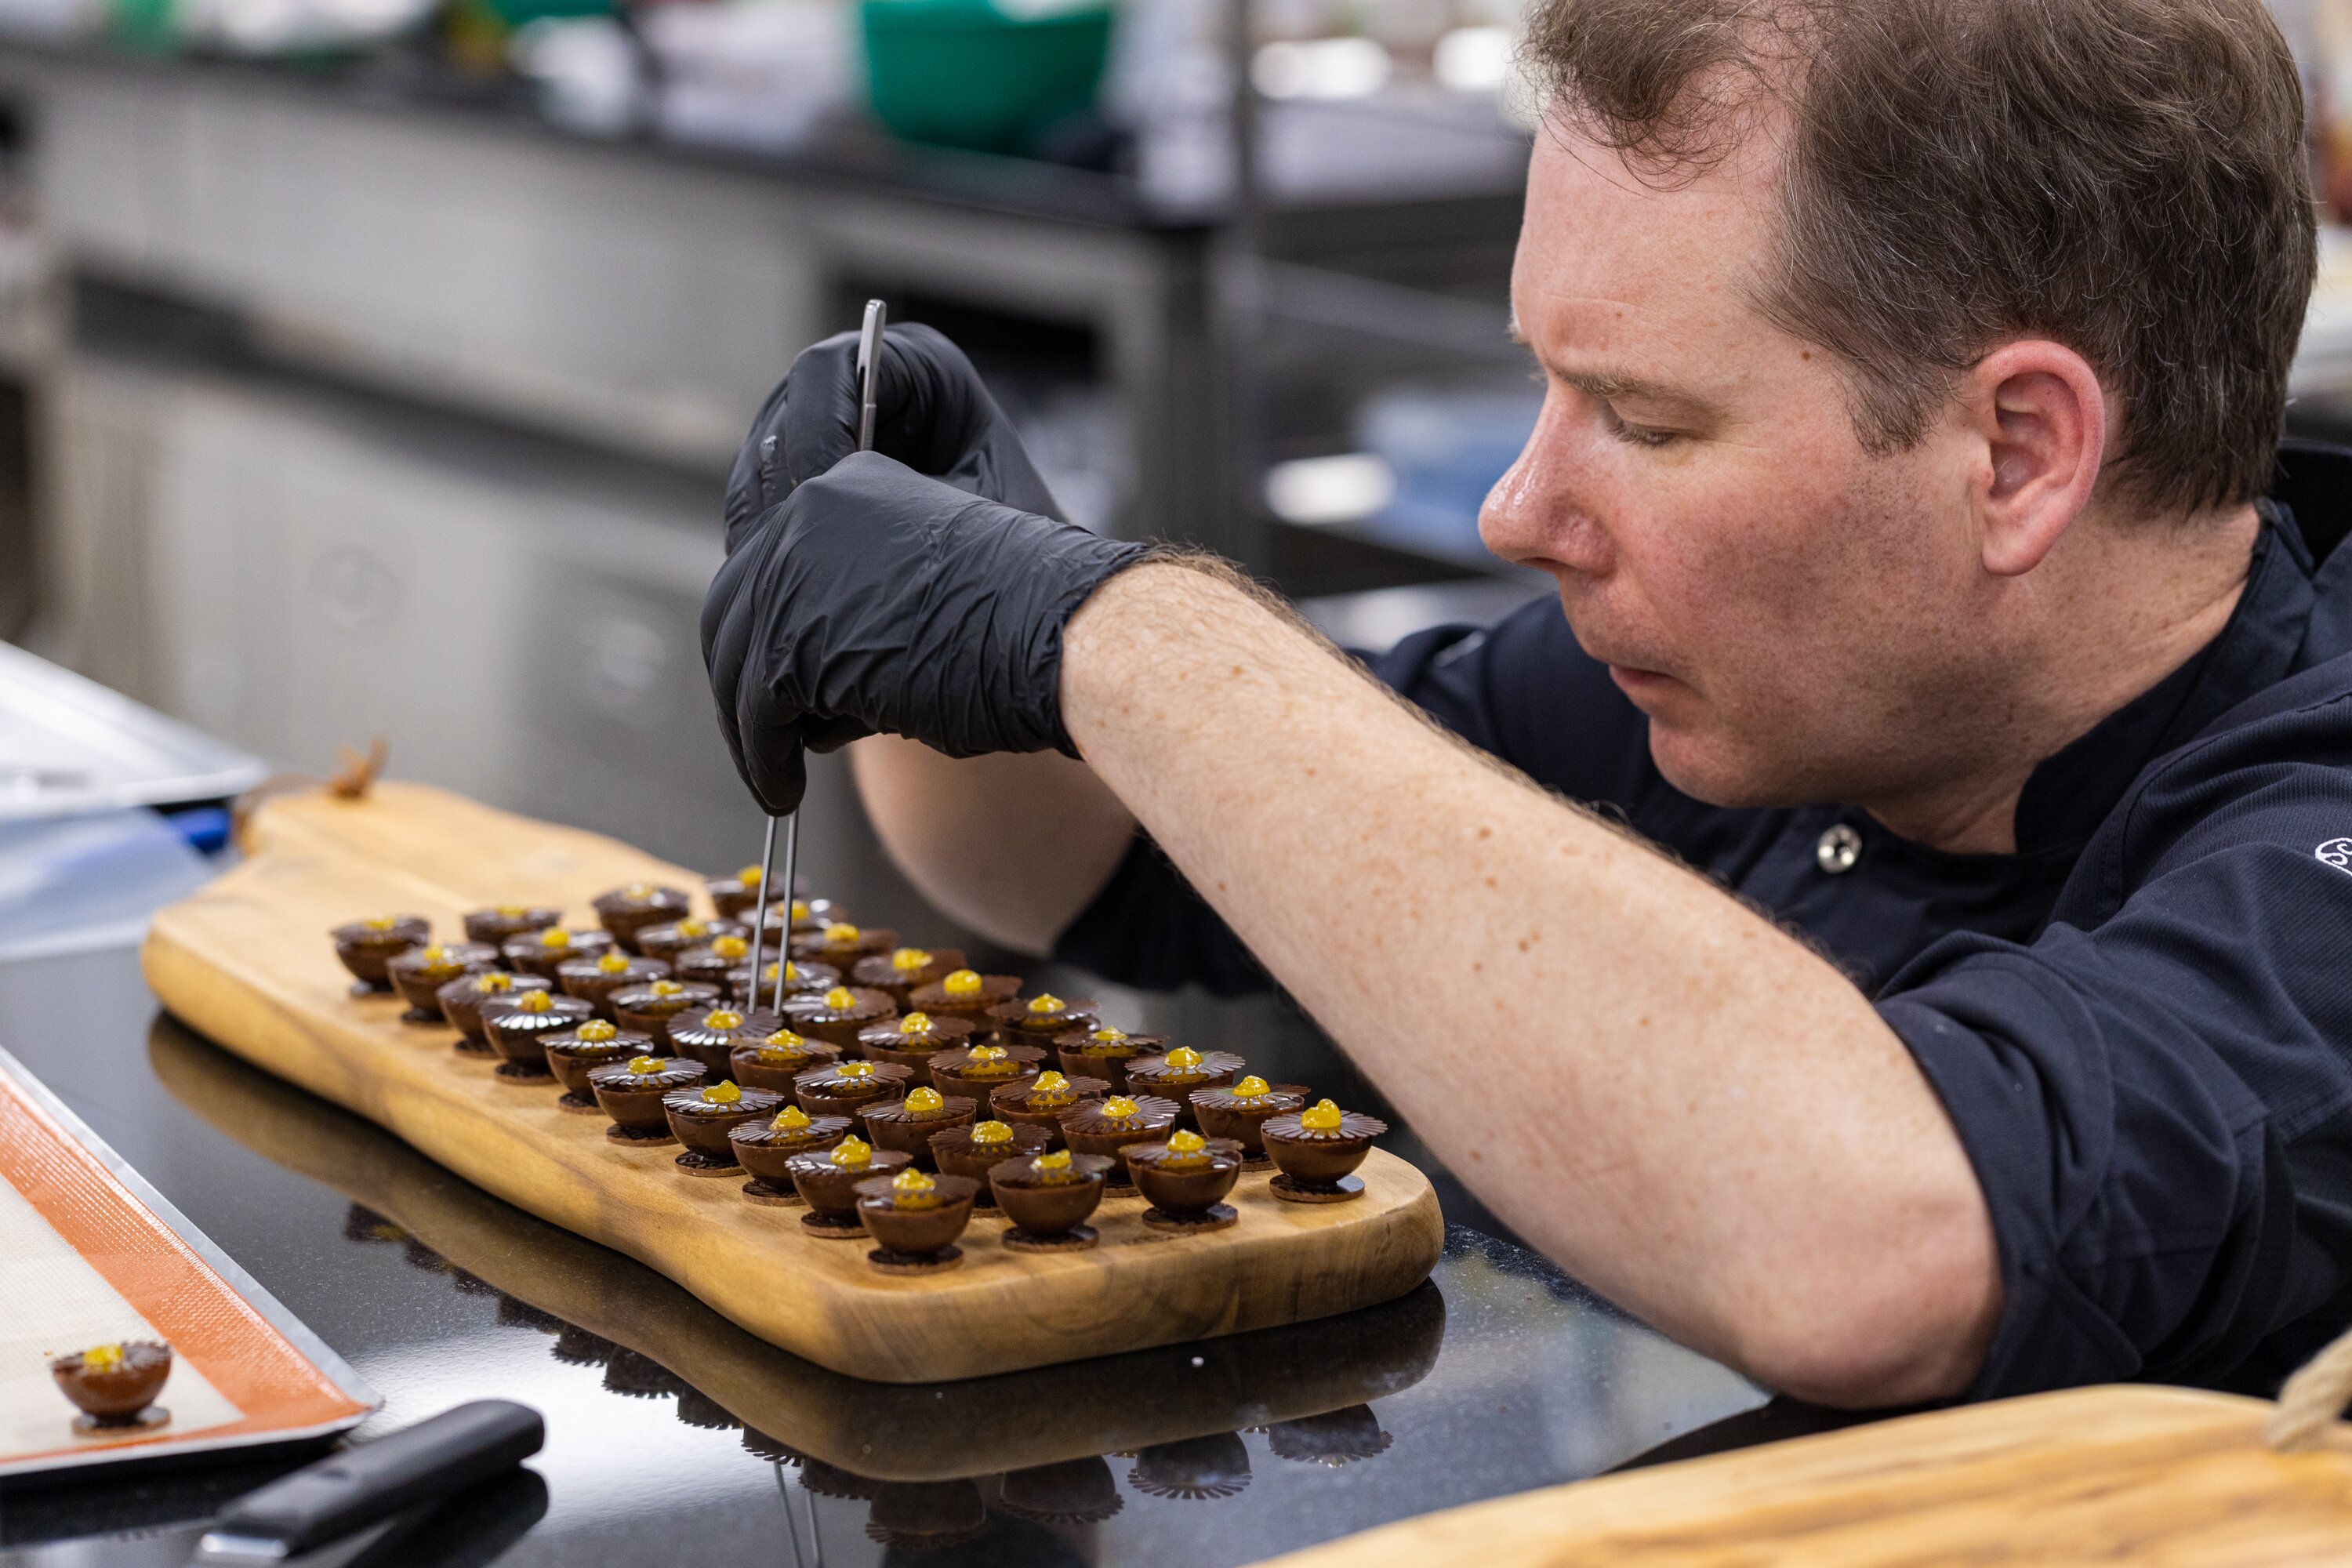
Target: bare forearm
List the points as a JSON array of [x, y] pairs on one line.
[[1014, 845], [1679, 1102]]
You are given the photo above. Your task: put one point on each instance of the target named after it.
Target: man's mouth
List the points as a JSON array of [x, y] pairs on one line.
[[1640, 683], [1637, 681]]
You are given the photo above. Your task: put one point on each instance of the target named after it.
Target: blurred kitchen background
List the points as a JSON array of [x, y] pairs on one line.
[[373, 366]]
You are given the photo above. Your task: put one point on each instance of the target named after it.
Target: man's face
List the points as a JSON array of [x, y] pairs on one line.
[[1800, 620]]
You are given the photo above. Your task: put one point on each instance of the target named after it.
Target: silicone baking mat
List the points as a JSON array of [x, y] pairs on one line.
[[95, 1256]]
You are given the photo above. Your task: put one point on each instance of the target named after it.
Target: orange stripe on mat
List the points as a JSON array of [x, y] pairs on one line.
[[205, 1321]]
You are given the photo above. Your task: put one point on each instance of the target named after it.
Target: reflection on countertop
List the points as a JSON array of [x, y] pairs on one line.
[[672, 1433]]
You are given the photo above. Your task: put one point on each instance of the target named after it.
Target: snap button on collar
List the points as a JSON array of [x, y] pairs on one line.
[[1838, 850]]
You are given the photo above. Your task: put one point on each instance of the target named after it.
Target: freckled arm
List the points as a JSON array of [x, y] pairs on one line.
[[1687, 1109]]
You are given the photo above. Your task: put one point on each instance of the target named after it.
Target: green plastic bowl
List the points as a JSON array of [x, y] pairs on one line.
[[961, 73], [522, 13]]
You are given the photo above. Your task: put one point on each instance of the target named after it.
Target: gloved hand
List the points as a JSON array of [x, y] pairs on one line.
[[874, 598], [932, 413]]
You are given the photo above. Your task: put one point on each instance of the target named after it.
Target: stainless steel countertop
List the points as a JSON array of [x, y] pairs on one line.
[[673, 1436]]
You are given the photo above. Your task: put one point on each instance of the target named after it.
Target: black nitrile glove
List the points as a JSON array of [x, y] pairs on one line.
[[930, 412], [876, 599]]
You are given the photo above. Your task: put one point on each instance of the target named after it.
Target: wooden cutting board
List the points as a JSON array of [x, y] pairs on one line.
[[248, 961], [2136, 1474], [1034, 1417]]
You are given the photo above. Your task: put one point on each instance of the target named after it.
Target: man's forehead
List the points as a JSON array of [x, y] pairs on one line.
[[1613, 263]]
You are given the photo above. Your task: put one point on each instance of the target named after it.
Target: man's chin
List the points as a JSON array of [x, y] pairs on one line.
[[1707, 770]]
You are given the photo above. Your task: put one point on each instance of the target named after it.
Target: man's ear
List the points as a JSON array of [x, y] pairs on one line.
[[2042, 416]]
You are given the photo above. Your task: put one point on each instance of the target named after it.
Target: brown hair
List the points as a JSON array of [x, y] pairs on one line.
[[2127, 177]]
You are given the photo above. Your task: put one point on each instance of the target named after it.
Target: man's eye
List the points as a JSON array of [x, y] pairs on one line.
[[1636, 435]]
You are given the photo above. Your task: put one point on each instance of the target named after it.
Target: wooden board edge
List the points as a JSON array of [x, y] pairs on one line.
[[1939, 1455]]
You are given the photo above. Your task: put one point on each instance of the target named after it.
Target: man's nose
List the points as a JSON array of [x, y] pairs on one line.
[[1538, 512]]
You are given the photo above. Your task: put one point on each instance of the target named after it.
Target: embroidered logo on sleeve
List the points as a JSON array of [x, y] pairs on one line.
[[2336, 852]]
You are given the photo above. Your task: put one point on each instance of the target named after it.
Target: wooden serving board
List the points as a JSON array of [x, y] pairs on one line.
[[248, 961], [2128, 1474], [1035, 1417]]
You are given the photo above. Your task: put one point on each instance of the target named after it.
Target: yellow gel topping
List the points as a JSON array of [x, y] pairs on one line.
[[730, 947], [1051, 1089], [853, 1153], [962, 983], [721, 1094], [915, 1024], [690, 928], [555, 936], [784, 1040], [856, 1072], [595, 1032], [382, 922], [791, 972], [911, 1189], [102, 1359], [1184, 1058], [665, 988], [642, 1065], [1118, 1108], [1054, 1169], [1323, 1116], [925, 1101], [800, 910], [639, 890], [493, 982], [908, 960], [533, 1002], [612, 963], [791, 1119], [841, 933], [1186, 1152], [723, 1018], [1252, 1088], [990, 1132], [989, 1061], [840, 999], [1108, 1036], [748, 876], [1044, 1003], [436, 953], [511, 912]]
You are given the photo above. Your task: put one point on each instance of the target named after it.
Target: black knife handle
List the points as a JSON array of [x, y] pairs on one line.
[[348, 1490]]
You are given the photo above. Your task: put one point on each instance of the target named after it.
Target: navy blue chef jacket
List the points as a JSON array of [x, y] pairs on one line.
[[2140, 1023]]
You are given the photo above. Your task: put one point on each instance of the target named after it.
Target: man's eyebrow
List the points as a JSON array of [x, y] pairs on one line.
[[1614, 385], [1602, 382], [1609, 383]]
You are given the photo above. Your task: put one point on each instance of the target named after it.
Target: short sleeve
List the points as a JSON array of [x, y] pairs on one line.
[[1150, 930], [2154, 1094]]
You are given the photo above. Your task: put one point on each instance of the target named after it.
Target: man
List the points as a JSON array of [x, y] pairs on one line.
[[1914, 373]]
